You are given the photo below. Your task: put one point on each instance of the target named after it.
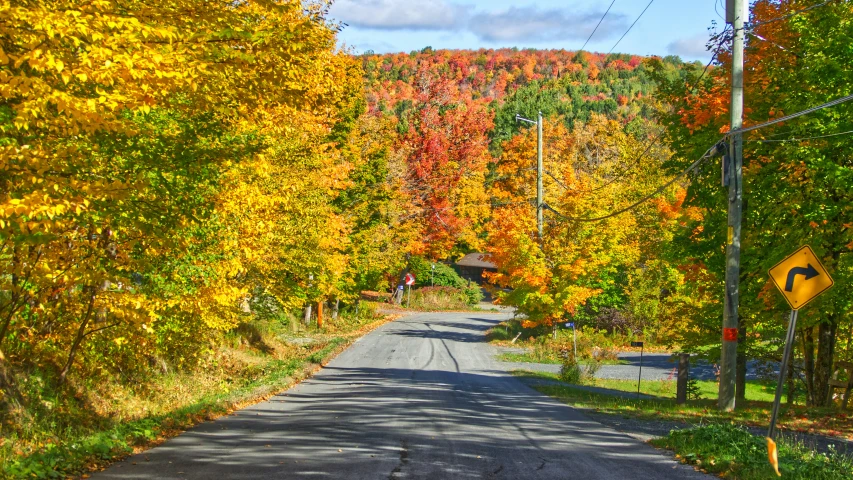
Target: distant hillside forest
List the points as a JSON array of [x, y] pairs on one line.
[[571, 85]]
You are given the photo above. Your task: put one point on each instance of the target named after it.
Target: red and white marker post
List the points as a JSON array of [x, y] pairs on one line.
[[410, 280]]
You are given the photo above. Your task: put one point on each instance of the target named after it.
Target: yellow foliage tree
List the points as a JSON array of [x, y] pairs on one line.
[[591, 171], [162, 162]]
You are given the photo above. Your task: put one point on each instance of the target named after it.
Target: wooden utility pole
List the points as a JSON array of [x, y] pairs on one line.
[[736, 12], [539, 172]]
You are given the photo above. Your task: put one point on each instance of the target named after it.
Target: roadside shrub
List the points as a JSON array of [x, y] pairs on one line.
[[570, 371], [694, 392], [474, 294], [442, 276], [573, 372], [438, 298]]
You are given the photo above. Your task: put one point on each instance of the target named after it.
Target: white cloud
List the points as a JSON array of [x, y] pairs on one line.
[[690, 47], [401, 14], [532, 24]]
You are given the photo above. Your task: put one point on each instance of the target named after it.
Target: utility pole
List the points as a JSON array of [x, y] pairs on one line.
[[736, 11], [539, 169]]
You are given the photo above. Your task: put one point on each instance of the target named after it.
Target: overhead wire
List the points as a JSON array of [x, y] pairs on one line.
[[599, 24], [632, 26], [657, 137], [802, 139], [792, 116], [789, 15], [716, 4], [708, 152], [705, 156], [693, 166], [771, 42]]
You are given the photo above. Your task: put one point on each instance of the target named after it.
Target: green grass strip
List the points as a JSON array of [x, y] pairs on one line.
[[732, 452], [74, 457]]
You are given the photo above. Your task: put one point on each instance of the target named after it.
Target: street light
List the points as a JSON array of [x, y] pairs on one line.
[[539, 168]]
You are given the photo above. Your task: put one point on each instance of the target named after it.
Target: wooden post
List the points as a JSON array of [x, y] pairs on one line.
[[736, 15], [640, 375], [307, 319], [320, 314], [683, 377]]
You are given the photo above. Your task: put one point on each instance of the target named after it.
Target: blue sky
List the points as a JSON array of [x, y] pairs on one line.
[[678, 27]]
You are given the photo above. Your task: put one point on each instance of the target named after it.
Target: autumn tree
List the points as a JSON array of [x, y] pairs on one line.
[[591, 171], [447, 154], [162, 163], [796, 176]]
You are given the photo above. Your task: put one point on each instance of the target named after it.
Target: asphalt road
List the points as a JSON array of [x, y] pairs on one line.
[[419, 398]]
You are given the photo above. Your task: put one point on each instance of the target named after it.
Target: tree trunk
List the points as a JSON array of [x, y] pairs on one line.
[[81, 332], [8, 319], [13, 397], [823, 366], [791, 393], [808, 364], [335, 308]]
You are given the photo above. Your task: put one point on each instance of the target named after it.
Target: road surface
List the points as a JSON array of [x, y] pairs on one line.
[[419, 398]]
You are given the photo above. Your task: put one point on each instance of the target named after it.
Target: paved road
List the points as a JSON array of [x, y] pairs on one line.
[[420, 398]]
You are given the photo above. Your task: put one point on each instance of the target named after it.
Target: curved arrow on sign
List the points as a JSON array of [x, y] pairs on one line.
[[809, 272]]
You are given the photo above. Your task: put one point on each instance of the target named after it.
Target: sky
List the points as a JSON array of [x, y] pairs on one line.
[[668, 27]]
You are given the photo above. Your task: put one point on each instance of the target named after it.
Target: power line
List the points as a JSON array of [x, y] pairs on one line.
[[705, 156], [792, 116], [632, 26], [599, 24], [803, 139], [645, 199], [792, 14], [717, 3], [691, 90], [771, 42]]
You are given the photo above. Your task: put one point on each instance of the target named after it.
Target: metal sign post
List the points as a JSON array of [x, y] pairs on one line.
[[640, 376], [800, 277], [789, 341], [574, 339], [410, 280]]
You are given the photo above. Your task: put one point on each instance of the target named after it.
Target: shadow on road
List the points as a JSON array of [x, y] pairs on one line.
[[359, 419]]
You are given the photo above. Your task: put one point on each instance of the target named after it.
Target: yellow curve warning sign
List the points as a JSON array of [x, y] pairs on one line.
[[800, 277]]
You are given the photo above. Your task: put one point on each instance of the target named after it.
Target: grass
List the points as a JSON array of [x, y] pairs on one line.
[[134, 418], [77, 453], [541, 347], [732, 451], [442, 299], [535, 357], [754, 412], [667, 388]]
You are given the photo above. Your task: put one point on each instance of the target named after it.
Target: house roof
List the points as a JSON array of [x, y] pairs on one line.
[[476, 260]]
